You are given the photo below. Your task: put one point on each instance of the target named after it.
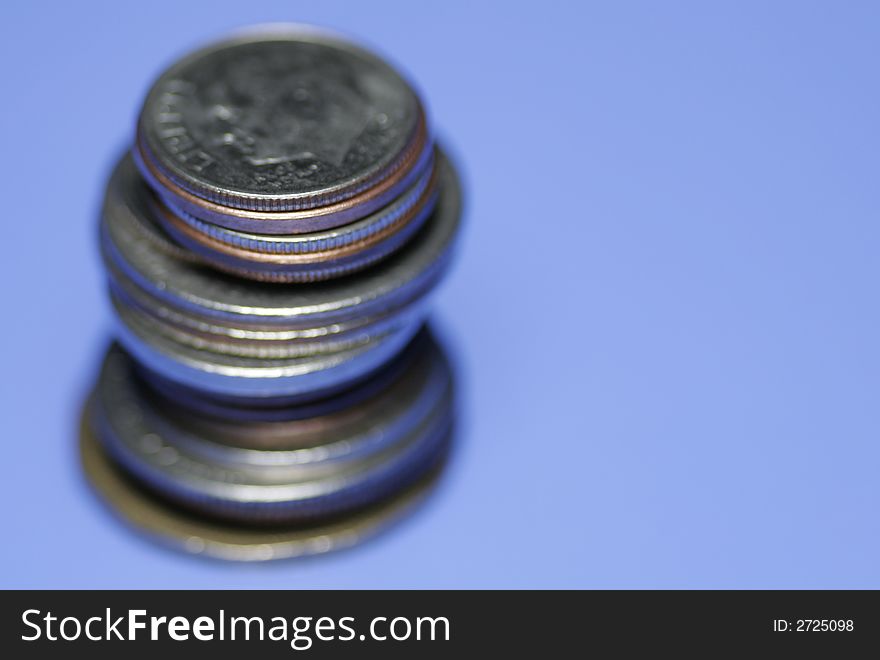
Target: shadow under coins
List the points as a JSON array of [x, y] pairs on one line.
[[144, 508]]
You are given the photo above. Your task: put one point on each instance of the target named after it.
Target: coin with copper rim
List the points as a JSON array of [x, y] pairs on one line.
[[280, 120], [193, 534]]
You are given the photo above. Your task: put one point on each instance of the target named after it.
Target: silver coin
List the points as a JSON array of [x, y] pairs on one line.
[[280, 120], [205, 536], [395, 438]]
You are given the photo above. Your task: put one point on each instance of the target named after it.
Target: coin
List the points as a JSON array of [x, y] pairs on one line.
[[181, 530], [417, 201], [298, 378], [287, 120], [414, 164], [301, 468], [260, 343], [232, 409]]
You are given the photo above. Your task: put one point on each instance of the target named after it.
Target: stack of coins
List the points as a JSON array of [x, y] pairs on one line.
[[287, 159], [270, 243]]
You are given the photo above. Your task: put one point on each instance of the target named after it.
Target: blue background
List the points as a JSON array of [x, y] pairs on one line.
[[665, 311]]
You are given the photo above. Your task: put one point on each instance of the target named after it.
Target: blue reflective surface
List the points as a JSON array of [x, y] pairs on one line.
[[664, 313]]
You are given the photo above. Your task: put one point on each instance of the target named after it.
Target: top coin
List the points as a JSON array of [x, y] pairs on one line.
[[279, 121]]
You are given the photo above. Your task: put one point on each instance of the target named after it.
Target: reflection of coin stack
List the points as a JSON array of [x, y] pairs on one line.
[[270, 246]]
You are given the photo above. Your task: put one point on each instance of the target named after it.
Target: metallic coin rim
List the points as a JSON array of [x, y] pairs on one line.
[[301, 221], [416, 199], [274, 429], [161, 267], [253, 492], [339, 440], [310, 267], [266, 348], [284, 409], [302, 378], [306, 501], [364, 240], [186, 321], [195, 535]]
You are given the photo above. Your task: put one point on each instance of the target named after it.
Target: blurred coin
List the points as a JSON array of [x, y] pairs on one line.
[[297, 378], [289, 470], [232, 410], [207, 537], [253, 339]]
